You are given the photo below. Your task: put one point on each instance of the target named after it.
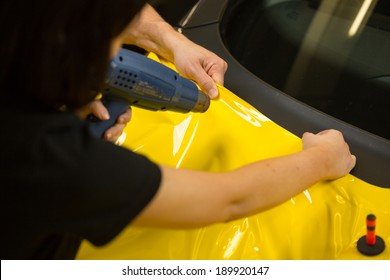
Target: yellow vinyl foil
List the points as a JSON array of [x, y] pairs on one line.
[[323, 222]]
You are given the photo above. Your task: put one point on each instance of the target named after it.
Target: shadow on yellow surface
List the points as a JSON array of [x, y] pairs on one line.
[[324, 222]]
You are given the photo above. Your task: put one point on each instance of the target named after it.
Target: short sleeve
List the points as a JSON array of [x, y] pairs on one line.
[[93, 187]]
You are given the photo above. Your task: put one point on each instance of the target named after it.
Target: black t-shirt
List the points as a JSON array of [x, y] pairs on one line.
[[60, 186]]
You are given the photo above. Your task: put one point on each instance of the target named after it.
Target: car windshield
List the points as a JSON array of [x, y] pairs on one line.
[[331, 55]]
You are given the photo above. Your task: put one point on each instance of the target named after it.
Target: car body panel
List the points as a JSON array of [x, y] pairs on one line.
[[323, 222], [373, 152]]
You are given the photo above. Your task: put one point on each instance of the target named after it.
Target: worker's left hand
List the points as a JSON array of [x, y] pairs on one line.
[[151, 32], [97, 108], [201, 65]]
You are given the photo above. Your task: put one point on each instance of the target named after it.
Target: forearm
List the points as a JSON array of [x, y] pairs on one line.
[[151, 32], [190, 198], [265, 184]]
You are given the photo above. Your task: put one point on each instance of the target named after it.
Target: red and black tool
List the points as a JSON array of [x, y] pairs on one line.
[[371, 244]]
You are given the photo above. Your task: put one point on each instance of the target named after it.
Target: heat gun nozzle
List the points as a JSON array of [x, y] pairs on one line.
[[203, 102]]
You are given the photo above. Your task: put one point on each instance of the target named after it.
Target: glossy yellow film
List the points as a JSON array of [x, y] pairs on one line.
[[323, 222]]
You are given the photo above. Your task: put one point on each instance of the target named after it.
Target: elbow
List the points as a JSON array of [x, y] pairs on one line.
[[241, 209], [235, 211]]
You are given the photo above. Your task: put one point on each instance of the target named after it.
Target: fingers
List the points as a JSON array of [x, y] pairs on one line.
[[307, 134], [97, 108], [218, 70], [114, 132], [327, 133], [125, 117], [202, 66], [353, 161], [208, 76], [337, 150], [207, 84], [217, 74]]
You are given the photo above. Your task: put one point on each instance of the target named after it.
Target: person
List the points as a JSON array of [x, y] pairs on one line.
[[60, 185]]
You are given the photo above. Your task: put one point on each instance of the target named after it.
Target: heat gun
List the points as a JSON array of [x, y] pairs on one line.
[[134, 79]]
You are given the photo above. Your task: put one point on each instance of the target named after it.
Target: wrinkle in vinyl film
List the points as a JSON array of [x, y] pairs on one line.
[[323, 222]]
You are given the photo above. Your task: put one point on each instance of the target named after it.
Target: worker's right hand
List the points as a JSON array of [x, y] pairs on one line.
[[97, 108], [334, 151]]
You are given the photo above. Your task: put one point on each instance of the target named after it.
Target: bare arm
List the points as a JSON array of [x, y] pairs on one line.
[[149, 31], [97, 108], [193, 198]]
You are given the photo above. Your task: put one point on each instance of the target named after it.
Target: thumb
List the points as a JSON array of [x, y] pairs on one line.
[[99, 110], [206, 83]]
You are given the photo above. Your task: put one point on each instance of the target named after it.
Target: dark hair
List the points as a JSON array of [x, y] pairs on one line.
[[56, 53]]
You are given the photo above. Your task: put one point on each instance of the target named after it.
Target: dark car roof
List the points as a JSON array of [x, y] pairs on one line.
[[206, 26]]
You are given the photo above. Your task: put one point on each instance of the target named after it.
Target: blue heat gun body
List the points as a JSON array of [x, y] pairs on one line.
[[134, 79]]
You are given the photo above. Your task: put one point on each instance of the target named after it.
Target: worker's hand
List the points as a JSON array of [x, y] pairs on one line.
[[97, 108], [151, 32], [201, 65], [333, 149]]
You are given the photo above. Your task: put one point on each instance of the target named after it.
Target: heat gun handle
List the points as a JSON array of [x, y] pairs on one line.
[[116, 106]]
